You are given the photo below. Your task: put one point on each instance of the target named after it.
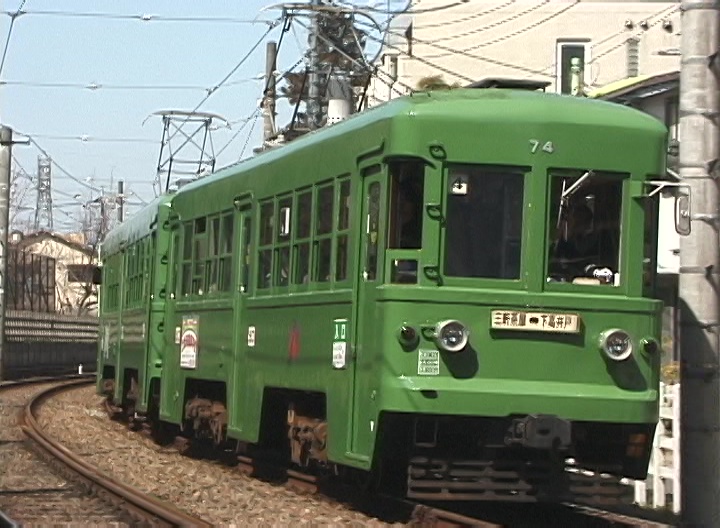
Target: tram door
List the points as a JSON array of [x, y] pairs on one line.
[[367, 339], [242, 251]]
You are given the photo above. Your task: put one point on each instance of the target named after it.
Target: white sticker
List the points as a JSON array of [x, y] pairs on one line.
[[177, 335], [189, 342], [459, 186], [428, 363], [339, 353], [339, 350], [251, 336]]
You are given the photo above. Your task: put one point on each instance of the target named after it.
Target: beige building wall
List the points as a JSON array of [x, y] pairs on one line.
[[70, 298], [528, 39]]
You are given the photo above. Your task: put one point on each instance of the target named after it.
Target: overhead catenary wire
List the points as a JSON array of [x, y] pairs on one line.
[[93, 86], [13, 17], [468, 18], [221, 83], [57, 165], [493, 25], [141, 17], [510, 35], [89, 139]]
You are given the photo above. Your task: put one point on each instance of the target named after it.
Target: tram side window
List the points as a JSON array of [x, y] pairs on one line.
[[200, 255], [187, 259], [343, 227], [282, 248], [372, 230], [584, 227], [406, 213], [406, 217], [267, 210], [246, 253], [303, 220], [226, 252], [323, 233], [484, 221]]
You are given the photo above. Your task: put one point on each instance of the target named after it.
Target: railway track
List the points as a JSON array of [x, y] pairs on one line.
[[394, 510], [124, 502]]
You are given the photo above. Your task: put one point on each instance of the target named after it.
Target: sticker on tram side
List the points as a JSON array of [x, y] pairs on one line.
[[178, 333], [189, 342], [251, 336], [428, 363], [339, 353]]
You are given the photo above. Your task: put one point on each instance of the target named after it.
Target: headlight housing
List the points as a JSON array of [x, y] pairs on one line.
[[451, 336], [617, 344]]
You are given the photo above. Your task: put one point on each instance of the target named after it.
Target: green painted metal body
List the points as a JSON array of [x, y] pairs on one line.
[[133, 328], [253, 339]]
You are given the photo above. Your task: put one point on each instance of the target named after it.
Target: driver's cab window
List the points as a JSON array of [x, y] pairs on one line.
[[584, 228], [406, 217]]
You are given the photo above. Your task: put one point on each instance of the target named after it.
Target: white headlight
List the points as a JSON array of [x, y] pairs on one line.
[[451, 336], [617, 344]]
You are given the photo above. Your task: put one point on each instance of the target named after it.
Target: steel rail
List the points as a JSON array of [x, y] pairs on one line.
[[126, 497]]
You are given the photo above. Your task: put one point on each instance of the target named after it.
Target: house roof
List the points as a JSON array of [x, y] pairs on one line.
[[41, 236], [626, 91]]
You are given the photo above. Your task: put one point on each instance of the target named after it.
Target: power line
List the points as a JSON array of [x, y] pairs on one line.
[[468, 18], [221, 83], [13, 18], [60, 168], [88, 139], [487, 27], [142, 17], [93, 86], [508, 36], [237, 133]]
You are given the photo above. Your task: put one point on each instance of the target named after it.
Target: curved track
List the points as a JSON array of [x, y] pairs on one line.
[[139, 506]]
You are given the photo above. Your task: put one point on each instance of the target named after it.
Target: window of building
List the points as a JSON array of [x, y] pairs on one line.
[[584, 226], [566, 51], [484, 221]]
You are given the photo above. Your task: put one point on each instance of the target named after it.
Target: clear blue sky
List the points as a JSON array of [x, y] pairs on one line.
[[75, 50]]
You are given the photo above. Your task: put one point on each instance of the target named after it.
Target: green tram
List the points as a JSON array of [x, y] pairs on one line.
[[451, 293]]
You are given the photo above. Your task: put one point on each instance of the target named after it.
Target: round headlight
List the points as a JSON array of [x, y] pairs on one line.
[[617, 344], [451, 336]]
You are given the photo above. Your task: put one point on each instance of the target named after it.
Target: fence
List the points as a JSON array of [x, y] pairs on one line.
[[47, 344], [662, 487]]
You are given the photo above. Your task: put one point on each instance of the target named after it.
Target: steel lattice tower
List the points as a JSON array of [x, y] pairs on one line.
[[43, 209]]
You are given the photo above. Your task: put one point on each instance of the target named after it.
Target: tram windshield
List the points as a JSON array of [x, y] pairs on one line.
[[584, 227], [484, 221]]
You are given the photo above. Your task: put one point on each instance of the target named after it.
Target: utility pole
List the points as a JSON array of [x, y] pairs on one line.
[[6, 141], [270, 95], [699, 167], [314, 104], [121, 201]]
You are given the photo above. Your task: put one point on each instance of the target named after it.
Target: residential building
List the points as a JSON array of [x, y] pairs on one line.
[[527, 39], [75, 291]]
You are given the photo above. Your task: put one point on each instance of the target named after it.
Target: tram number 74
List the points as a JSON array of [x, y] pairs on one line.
[[536, 145]]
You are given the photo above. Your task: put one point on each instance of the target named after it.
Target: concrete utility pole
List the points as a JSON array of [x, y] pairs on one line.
[[269, 96], [700, 266], [5, 156]]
